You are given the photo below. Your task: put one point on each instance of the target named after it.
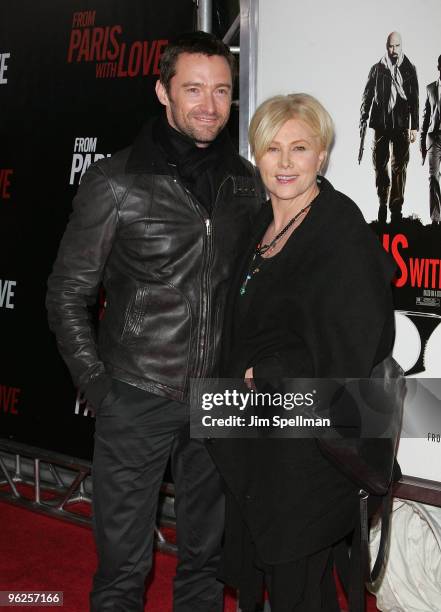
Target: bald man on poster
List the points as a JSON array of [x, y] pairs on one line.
[[390, 100]]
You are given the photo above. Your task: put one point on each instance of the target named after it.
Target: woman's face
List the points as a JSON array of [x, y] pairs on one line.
[[290, 165]]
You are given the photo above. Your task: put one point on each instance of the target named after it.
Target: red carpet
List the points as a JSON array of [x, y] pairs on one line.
[[42, 553]]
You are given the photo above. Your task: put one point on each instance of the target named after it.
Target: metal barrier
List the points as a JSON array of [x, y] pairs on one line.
[[58, 482]]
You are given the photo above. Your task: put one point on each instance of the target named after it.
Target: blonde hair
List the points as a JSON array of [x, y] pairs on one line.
[[272, 114]]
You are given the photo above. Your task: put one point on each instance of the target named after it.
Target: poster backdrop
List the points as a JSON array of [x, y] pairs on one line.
[[328, 49], [76, 83]]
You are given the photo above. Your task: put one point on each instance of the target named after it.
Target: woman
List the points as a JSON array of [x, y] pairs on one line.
[[312, 299]]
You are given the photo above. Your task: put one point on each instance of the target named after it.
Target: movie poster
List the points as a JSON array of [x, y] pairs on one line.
[[375, 67], [77, 83]]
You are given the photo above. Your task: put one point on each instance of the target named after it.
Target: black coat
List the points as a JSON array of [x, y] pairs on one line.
[[323, 309]]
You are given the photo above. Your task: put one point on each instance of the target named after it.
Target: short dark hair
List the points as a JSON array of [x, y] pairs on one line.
[[192, 42]]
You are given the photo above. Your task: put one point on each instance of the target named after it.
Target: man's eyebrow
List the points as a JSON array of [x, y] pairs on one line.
[[200, 84]]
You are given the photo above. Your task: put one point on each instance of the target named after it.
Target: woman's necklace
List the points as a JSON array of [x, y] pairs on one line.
[[264, 248], [261, 250]]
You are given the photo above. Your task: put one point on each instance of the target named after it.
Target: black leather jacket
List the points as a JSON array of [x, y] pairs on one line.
[[377, 94], [165, 266]]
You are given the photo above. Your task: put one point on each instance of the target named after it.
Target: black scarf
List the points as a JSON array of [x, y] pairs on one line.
[[201, 169]]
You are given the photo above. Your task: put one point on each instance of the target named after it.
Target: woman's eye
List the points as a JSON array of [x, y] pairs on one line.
[[299, 148], [272, 149]]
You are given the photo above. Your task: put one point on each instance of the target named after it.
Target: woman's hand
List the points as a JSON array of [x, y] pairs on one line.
[[249, 379]]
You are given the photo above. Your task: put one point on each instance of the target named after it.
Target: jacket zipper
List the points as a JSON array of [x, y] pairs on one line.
[[206, 301], [204, 328]]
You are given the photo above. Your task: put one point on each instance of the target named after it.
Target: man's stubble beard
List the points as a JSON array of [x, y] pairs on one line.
[[200, 136]]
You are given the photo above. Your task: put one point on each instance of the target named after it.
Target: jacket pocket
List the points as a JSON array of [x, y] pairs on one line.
[[134, 314]]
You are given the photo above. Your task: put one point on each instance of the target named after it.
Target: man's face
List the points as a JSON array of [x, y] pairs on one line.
[[199, 98], [393, 46]]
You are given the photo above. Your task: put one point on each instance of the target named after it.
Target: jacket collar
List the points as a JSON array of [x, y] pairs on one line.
[[147, 158]]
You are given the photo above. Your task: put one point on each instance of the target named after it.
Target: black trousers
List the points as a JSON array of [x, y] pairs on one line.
[[136, 433], [391, 145]]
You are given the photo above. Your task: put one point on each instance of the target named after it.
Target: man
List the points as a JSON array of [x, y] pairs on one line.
[[430, 143], [391, 99], [159, 224]]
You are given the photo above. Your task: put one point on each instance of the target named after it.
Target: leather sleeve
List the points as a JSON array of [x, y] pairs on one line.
[[74, 282], [368, 95]]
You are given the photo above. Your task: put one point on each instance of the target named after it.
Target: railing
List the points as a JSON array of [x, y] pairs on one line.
[[52, 483]]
